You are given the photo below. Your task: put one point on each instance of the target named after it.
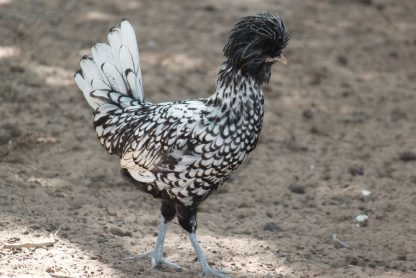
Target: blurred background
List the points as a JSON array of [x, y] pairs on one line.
[[338, 142]]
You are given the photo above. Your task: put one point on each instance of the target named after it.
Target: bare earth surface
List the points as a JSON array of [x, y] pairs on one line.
[[340, 118]]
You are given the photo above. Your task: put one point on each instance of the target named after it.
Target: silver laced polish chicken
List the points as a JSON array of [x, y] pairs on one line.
[[182, 151]]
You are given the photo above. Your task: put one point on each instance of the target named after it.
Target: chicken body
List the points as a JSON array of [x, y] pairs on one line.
[[179, 151], [184, 150]]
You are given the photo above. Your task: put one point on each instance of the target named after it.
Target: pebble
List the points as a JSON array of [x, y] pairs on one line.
[[342, 60], [307, 114], [402, 257], [350, 260], [34, 227], [210, 8], [297, 188], [356, 170], [8, 132], [353, 118], [365, 193], [271, 226], [407, 156], [119, 232], [361, 218], [98, 178]]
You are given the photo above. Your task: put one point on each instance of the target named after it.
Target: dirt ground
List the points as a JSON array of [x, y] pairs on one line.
[[340, 119]]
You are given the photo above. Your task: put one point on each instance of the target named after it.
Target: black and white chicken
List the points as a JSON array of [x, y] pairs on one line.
[[182, 151]]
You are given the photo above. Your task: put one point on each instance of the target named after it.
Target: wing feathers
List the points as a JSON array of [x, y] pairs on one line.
[[137, 172]]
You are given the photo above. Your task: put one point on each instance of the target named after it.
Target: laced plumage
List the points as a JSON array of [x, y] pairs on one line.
[[182, 151]]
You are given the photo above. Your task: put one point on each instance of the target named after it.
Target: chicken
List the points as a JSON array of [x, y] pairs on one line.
[[182, 151]]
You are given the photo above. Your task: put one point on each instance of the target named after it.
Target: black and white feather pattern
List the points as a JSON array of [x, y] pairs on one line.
[[181, 150], [112, 68]]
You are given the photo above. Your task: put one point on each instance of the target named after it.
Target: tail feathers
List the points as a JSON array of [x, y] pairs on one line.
[[112, 70]]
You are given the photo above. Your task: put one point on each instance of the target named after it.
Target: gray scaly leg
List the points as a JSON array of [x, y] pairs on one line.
[[206, 269], [157, 252]]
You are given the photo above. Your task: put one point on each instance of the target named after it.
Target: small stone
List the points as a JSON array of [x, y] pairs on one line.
[[407, 156], [315, 130], [394, 54], [271, 227], [353, 118], [342, 60], [318, 75], [101, 240], [116, 231], [210, 8], [365, 193], [34, 227], [356, 170], [402, 257], [346, 93], [13, 240], [380, 6], [297, 188], [307, 114], [98, 178], [350, 260], [127, 233], [362, 219], [8, 132]]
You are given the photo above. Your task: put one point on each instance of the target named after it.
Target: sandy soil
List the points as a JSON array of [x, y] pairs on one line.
[[340, 119]]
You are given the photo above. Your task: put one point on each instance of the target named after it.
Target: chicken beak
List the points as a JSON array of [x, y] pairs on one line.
[[279, 58]]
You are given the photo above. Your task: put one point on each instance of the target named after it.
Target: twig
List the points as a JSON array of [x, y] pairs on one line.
[[30, 244], [59, 229], [342, 243], [56, 275], [45, 243]]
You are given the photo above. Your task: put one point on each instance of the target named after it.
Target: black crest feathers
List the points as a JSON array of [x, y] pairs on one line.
[[252, 40]]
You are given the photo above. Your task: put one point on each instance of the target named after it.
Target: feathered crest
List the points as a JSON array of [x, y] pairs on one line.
[[254, 38]]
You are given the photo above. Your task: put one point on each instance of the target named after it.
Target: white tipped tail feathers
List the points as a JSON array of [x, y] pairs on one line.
[[112, 68]]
